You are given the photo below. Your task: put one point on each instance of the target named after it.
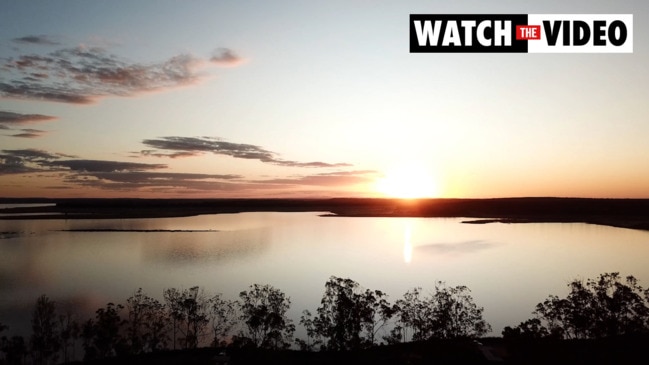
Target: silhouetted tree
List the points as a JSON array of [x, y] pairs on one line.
[[156, 325], [69, 333], [2, 329], [530, 329], [88, 337], [413, 315], [619, 307], [646, 298], [312, 337], [376, 312], [15, 349], [45, 335], [602, 307], [108, 339], [223, 317], [449, 312], [396, 335], [173, 298], [263, 310], [3, 339], [350, 317], [339, 319], [455, 314], [188, 310], [136, 307], [196, 313], [146, 323]]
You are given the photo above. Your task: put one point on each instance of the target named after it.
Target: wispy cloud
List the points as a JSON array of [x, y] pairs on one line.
[[192, 146], [82, 75], [29, 133], [37, 39], [225, 57], [112, 175], [331, 179], [105, 166], [9, 166], [155, 153], [127, 176], [35, 160], [135, 180], [8, 118], [23, 161], [30, 155], [158, 177], [188, 182]]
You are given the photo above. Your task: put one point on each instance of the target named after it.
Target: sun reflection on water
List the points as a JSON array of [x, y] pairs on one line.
[[407, 243]]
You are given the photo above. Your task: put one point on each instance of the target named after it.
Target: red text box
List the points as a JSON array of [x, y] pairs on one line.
[[527, 32]]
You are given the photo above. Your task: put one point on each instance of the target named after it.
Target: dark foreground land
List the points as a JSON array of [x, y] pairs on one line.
[[625, 213], [620, 350]]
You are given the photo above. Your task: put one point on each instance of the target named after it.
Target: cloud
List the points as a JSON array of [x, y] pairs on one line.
[[10, 119], [29, 133], [140, 176], [82, 75], [154, 153], [14, 166], [17, 118], [178, 183], [22, 90], [131, 180], [350, 173], [37, 39], [132, 177], [23, 161], [191, 146], [112, 175], [225, 57], [30, 155], [35, 160], [59, 187], [105, 166], [326, 179]]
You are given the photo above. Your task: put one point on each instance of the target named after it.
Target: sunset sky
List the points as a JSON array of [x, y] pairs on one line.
[[308, 99]]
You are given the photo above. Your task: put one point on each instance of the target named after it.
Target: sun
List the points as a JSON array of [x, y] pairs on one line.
[[407, 182]]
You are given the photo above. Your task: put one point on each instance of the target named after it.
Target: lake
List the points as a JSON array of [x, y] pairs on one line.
[[508, 267]]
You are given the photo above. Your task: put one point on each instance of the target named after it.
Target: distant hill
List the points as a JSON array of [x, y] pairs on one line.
[[626, 213]]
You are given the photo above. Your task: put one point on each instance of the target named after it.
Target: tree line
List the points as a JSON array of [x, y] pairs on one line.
[[349, 317], [606, 306]]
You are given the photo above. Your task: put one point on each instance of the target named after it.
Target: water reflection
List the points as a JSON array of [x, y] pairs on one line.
[[459, 248], [509, 268], [442, 248], [192, 248], [407, 244], [22, 205]]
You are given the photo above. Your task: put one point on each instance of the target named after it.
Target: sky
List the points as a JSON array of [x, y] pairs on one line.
[[238, 99]]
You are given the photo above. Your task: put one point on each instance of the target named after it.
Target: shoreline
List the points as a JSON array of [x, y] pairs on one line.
[[620, 213]]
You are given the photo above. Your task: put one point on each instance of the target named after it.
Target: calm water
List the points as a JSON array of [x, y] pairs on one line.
[[508, 267], [22, 205]]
